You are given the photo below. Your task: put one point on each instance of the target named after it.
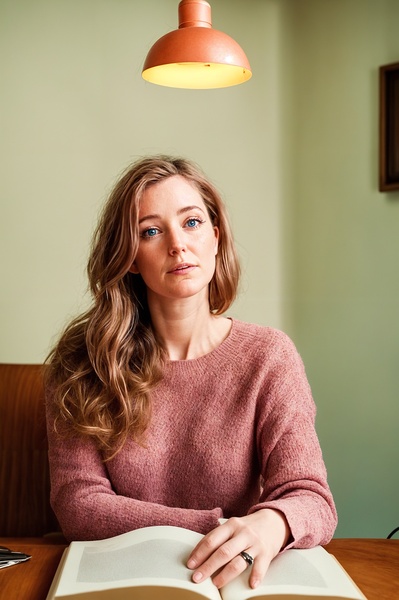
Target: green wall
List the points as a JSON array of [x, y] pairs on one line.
[[75, 112], [344, 276], [295, 153]]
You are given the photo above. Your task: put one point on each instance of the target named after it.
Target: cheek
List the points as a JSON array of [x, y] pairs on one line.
[[142, 261]]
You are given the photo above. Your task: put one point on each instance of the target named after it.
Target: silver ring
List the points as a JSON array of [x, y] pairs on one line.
[[247, 557]]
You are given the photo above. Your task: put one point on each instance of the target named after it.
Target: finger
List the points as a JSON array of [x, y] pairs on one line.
[[259, 569], [221, 557], [205, 548], [232, 529], [234, 568]]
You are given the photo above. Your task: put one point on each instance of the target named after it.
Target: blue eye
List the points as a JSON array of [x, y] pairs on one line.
[[149, 232], [192, 223]]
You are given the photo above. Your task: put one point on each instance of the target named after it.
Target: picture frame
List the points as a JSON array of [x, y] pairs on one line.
[[389, 128]]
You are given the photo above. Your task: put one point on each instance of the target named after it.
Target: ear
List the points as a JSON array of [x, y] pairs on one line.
[[216, 231], [133, 269]]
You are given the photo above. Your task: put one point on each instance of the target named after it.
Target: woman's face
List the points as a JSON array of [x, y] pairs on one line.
[[178, 243]]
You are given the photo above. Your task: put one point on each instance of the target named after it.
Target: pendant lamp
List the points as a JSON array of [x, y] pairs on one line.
[[195, 55]]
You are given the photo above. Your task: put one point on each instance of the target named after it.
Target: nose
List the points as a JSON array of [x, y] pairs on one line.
[[176, 243]]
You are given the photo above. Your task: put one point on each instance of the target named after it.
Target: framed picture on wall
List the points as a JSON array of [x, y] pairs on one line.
[[389, 128]]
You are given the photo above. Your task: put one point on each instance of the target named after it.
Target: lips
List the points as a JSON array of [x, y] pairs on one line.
[[181, 268]]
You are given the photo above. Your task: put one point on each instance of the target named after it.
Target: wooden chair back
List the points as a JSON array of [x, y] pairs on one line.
[[24, 471]]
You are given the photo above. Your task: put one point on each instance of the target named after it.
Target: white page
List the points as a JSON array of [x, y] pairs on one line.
[[312, 572], [154, 556]]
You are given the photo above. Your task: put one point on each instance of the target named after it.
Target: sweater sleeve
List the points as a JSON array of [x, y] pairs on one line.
[[88, 508], [293, 470]]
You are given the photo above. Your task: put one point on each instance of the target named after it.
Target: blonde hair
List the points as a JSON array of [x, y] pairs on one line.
[[107, 361]]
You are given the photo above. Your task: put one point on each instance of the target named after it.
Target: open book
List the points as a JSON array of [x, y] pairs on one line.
[[150, 564]]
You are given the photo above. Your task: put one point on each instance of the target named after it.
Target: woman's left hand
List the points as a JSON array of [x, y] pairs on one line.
[[261, 534]]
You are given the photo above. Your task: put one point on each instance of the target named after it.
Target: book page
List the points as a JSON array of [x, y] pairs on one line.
[[153, 558], [312, 573]]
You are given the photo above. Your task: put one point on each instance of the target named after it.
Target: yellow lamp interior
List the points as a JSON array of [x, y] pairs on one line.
[[196, 75]]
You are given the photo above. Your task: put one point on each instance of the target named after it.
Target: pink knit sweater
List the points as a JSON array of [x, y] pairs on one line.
[[231, 432]]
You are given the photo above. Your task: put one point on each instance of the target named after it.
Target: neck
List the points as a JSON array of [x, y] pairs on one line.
[[187, 330]]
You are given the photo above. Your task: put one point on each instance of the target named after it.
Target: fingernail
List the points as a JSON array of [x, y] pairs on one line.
[[197, 577], [254, 584], [191, 563]]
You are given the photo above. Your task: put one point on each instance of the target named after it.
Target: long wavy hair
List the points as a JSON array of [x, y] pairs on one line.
[[101, 372]]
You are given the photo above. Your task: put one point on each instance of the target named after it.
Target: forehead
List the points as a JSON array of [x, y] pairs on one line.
[[171, 193]]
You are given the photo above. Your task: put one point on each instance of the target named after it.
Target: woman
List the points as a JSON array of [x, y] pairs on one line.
[[161, 410]]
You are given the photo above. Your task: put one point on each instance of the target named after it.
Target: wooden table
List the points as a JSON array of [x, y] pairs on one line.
[[30, 580], [372, 563]]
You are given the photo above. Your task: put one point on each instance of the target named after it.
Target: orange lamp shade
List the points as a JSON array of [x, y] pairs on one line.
[[195, 55]]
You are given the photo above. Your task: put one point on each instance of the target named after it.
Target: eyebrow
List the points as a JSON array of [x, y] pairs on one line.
[[179, 212]]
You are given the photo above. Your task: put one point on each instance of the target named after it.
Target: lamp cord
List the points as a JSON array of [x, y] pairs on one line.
[[392, 532]]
